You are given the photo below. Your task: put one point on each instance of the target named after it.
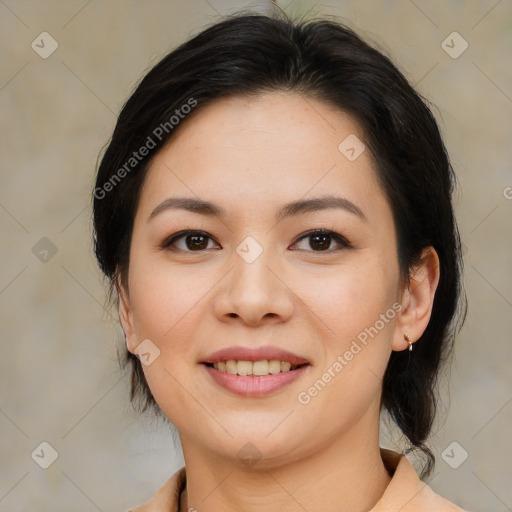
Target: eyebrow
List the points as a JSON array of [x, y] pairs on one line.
[[292, 209]]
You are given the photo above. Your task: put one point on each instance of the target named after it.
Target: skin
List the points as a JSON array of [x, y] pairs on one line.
[[250, 156]]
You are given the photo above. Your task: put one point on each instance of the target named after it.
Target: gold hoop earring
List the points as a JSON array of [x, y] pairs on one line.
[[406, 338]]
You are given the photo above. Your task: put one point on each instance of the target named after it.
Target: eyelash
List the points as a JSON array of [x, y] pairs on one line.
[[344, 243]]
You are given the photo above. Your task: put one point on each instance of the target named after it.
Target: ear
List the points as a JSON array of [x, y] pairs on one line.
[[417, 300], [126, 317]]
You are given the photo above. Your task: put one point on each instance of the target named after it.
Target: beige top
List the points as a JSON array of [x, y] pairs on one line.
[[405, 493]]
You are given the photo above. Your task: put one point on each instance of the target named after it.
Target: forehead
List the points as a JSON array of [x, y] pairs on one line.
[[272, 147]]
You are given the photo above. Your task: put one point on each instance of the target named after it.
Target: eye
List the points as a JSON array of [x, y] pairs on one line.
[[188, 241], [321, 239]]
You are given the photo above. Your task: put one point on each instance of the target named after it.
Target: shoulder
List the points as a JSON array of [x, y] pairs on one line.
[[406, 492], [167, 497], [428, 501]]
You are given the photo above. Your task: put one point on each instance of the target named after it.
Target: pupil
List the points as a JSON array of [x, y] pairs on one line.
[[196, 242], [322, 245]]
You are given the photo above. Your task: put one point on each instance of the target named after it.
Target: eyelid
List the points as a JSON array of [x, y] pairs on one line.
[[166, 244], [340, 239]]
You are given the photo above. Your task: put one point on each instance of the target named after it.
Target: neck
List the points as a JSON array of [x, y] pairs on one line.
[[347, 474]]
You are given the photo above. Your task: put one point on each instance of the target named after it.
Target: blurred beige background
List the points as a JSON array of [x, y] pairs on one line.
[[60, 380]]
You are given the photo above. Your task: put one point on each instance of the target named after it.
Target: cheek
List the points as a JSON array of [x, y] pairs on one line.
[[351, 299], [166, 299], [356, 308], [168, 308]]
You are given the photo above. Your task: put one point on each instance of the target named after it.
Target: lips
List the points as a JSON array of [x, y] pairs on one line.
[[253, 354], [256, 371]]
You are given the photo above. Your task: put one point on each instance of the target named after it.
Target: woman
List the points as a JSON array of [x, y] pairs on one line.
[[274, 215]]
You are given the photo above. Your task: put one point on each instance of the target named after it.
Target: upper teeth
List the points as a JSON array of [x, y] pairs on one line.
[[259, 368]]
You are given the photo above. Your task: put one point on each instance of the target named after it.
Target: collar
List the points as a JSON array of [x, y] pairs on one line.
[[405, 492]]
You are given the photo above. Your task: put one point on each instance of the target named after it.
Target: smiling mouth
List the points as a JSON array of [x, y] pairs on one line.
[[255, 368]]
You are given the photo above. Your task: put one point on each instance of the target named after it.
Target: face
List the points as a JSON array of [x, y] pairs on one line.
[[250, 272]]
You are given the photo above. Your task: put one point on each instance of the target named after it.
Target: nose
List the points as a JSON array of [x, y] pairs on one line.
[[254, 293]]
